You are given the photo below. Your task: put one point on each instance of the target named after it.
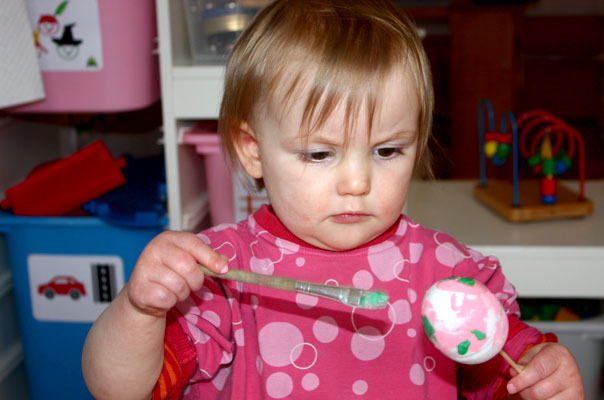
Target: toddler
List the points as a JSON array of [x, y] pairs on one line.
[[327, 105]]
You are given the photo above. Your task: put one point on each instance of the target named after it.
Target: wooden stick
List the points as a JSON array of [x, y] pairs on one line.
[[507, 358]]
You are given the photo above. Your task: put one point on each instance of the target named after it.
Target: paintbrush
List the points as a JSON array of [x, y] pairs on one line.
[[352, 297]]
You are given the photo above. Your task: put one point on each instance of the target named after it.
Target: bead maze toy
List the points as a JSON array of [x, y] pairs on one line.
[[552, 146]]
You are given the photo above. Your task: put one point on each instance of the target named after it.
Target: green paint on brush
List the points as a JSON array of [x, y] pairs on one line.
[[463, 347], [372, 300], [467, 281], [479, 335], [428, 328]]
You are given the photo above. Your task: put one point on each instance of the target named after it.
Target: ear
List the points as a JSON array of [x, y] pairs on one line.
[[248, 151]]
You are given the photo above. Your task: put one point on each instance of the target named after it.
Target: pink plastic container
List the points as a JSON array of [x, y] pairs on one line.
[[218, 176], [128, 78]]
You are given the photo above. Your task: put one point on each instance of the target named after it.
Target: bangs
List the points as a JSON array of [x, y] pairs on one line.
[[330, 58]]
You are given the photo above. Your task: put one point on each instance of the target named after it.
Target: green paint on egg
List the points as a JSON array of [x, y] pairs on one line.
[[467, 281], [479, 335], [428, 328], [463, 347]]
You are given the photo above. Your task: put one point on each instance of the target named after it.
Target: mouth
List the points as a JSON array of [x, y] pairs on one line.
[[350, 218]]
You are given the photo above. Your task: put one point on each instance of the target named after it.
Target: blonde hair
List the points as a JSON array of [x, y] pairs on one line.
[[323, 52]]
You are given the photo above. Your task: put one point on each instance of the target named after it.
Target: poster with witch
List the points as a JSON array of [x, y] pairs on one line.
[[67, 34]]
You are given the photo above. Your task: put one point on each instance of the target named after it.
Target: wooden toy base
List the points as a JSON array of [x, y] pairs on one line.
[[499, 196]]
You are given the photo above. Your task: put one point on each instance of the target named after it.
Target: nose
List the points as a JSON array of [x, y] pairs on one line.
[[354, 178]]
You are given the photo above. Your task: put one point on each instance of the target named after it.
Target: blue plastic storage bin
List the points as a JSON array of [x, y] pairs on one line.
[[65, 272]]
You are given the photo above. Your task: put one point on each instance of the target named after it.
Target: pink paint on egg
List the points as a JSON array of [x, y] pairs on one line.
[[464, 320]]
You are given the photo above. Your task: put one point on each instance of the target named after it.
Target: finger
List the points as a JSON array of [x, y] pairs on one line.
[[538, 369], [546, 389], [173, 281], [185, 266], [153, 299], [204, 254]]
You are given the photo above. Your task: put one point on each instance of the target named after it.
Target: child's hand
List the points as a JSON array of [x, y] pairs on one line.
[[167, 271], [550, 372]]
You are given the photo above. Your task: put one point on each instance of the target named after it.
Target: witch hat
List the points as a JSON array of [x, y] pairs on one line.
[[67, 37]]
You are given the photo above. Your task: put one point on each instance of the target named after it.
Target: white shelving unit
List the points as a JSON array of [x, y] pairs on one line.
[[189, 92]]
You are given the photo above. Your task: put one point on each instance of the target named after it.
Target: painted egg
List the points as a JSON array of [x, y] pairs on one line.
[[464, 320]]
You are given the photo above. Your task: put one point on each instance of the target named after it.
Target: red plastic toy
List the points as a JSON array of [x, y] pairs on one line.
[[58, 187]]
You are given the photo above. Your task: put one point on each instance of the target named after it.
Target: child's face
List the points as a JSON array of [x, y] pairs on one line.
[[333, 195]]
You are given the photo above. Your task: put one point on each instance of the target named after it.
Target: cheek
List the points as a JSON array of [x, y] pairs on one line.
[[393, 193]]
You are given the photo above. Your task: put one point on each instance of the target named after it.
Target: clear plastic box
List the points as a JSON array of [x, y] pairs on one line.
[[214, 25]]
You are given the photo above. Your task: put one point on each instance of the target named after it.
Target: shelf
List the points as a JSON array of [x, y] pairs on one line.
[[197, 91], [556, 258]]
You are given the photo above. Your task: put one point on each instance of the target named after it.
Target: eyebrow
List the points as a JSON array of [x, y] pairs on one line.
[[399, 134]]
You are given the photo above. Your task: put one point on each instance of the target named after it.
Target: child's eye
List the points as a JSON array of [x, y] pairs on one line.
[[388, 152], [315, 156]]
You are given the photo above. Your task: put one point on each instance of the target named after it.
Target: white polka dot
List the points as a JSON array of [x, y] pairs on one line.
[[279, 385], [212, 317], [415, 252], [300, 261], [287, 247], [254, 300], [325, 329], [226, 357], [412, 295], [221, 378], [262, 266], [239, 337], [206, 294], [402, 311], [197, 334], [223, 227], [305, 301], [310, 382], [277, 341], [380, 258], [416, 374], [429, 363], [363, 280], [411, 332], [359, 387], [367, 350], [297, 349], [402, 228], [449, 255], [364, 317]]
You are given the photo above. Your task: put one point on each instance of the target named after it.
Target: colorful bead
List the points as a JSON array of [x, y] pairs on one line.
[[490, 148]]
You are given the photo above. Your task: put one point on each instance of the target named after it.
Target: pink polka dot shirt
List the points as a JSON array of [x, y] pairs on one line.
[[252, 342]]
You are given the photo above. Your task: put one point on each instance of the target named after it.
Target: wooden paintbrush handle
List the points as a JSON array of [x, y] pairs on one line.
[[513, 363], [275, 282]]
